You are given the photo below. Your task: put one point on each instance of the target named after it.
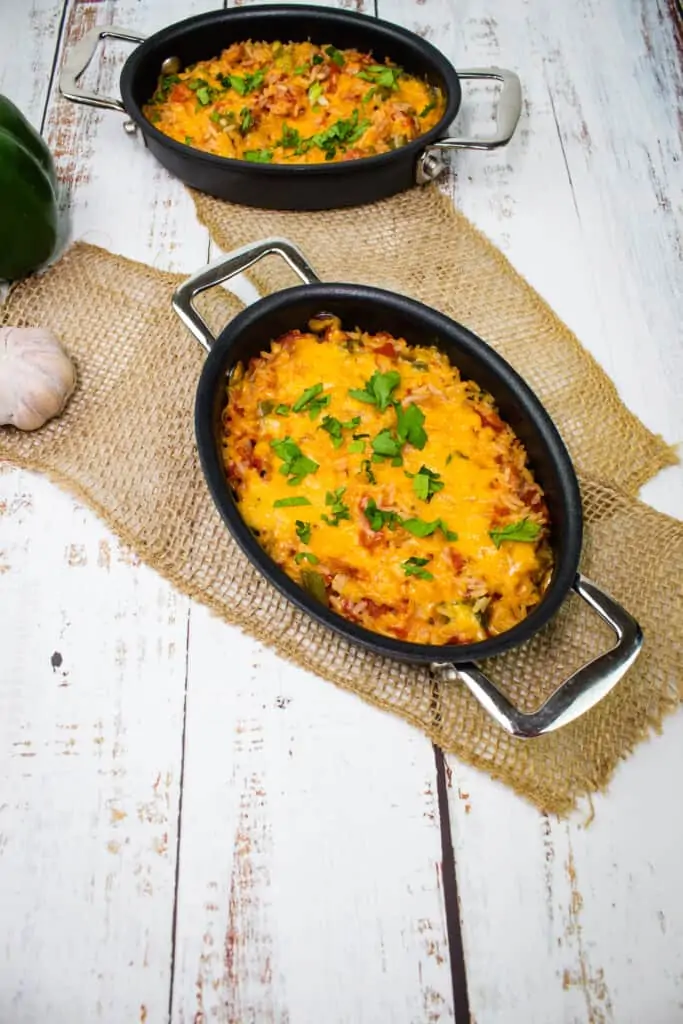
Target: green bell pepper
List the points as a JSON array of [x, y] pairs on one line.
[[28, 196]]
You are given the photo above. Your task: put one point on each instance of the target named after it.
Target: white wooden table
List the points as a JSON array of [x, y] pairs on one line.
[[193, 830]]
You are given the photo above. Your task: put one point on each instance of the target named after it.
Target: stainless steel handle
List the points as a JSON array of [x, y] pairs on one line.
[[78, 59], [508, 113], [577, 694], [228, 266]]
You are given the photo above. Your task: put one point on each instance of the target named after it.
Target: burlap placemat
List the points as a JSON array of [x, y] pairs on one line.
[[418, 244], [125, 446]]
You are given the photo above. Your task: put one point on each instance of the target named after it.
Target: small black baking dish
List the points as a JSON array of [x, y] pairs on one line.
[[374, 310], [294, 186]]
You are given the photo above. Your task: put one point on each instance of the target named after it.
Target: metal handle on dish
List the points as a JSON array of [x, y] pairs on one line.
[[508, 113], [79, 58], [577, 694], [228, 266]]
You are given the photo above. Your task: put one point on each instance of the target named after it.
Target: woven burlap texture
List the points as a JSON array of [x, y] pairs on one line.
[[125, 446]]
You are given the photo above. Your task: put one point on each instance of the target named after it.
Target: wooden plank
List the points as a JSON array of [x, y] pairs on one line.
[[118, 196], [91, 702], [563, 922], [93, 681], [310, 876], [28, 32], [310, 884]]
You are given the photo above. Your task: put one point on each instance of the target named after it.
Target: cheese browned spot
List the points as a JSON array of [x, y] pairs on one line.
[[294, 104], [422, 517]]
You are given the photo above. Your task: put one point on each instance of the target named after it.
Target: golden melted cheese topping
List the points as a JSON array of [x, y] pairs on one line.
[[293, 104], [386, 485]]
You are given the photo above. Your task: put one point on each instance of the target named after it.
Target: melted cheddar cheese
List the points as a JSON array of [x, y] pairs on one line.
[[293, 104], [386, 485]]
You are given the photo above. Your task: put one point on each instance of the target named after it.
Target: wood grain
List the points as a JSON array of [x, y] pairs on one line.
[[562, 922]]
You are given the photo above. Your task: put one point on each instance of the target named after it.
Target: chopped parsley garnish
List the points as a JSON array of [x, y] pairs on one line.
[[415, 567], [303, 531], [386, 444], [204, 95], [379, 517], [378, 389], [238, 84], [334, 428], [522, 530], [342, 133], [248, 83], [224, 81], [421, 528], [306, 556], [291, 139], [258, 156], [382, 76], [165, 85], [367, 469], [356, 446], [317, 59], [428, 109], [335, 55], [309, 401], [291, 502], [302, 69], [427, 483], [282, 410], [338, 510], [246, 120], [295, 464], [409, 426]]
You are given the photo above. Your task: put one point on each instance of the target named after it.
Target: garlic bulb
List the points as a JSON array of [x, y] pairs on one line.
[[36, 377]]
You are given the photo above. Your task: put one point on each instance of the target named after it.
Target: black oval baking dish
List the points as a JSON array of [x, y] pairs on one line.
[[294, 186], [373, 310]]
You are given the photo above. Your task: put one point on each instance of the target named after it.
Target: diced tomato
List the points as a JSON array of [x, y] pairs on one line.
[[400, 632], [180, 93], [387, 349], [457, 560]]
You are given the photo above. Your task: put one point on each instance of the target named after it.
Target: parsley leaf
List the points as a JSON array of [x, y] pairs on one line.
[[382, 76], [428, 109], [421, 528], [310, 402], [342, 133], [409, 426], [246, 120], [415, 567], [338, 509], [522, 530], [306, 556], [238, 84], [379, 517], [367, 469], [334, 428], [291, 139], [290, 502], [378, 389], [317, 59], [203, 95], [386, 444], [282, 410], [356, 446], [258, 156], [295, 464], [303, 530], [427, 483], [335, 55]]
